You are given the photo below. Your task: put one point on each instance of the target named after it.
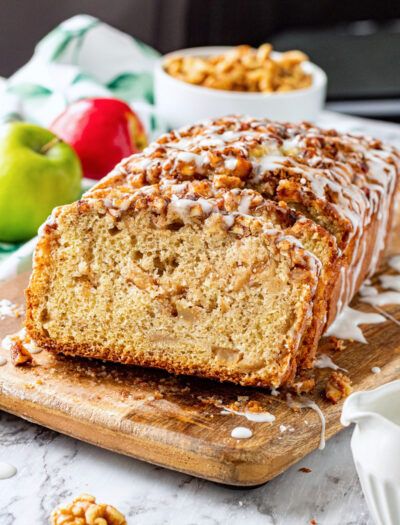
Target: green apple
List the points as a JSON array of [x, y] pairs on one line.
[[37, 173]]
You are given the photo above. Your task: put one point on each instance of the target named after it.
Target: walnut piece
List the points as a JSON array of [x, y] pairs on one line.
[[338, 387], [20, 355], [85, 511]]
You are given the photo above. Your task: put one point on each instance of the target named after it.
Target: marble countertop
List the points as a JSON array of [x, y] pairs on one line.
[[52, 468]]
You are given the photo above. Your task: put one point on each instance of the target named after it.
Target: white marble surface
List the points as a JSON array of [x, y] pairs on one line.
[[52, 468]]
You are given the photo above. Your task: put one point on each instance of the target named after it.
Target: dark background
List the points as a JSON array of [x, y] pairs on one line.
[[356, 42]]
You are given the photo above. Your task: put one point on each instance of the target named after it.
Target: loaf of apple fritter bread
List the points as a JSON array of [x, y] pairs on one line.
[[224, 250]]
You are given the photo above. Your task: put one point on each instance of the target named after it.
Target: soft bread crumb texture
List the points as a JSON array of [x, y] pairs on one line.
[[188, 297]]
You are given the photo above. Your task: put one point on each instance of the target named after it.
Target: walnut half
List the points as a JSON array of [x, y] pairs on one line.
[[85, 511]]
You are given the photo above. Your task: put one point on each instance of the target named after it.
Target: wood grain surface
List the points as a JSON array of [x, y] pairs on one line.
[[176, 422]]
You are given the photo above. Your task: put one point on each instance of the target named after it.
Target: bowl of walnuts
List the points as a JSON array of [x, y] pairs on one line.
[[204, 82]]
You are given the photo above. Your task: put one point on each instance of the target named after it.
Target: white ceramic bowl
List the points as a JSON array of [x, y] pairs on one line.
[[180, 103], [376, 448]]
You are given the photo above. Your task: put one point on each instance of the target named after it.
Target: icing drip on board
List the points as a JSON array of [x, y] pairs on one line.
[[7, 470], [375, 370], [258, 417], [241, 433], [308, 403], [325, 361], [394, 262], [381, 299], [346, 324], [7, 309], [390, 282]]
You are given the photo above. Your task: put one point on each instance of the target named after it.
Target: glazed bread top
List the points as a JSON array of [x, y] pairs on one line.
[[344, 177]]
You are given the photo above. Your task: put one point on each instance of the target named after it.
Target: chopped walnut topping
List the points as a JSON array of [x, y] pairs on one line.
[[337, 344], [338, 387], [85, 511], [20, 355]]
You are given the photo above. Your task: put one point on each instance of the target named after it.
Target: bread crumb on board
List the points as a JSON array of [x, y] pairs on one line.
[[338, 387], [20, 355]]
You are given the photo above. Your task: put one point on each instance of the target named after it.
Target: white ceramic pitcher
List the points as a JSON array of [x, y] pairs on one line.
[[376, 448]]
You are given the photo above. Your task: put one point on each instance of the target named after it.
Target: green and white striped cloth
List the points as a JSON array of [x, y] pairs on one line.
[[84, 57]]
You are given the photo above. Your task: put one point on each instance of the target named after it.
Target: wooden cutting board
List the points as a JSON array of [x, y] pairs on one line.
[[176, 422]]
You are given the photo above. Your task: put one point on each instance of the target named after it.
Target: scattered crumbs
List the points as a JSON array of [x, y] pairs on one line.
[[304, 469], [338, 387], [337, 344], [375, 370], [302, 385], [242, 399], [282, 428], [313, 522], [20, 355], [9, 309]]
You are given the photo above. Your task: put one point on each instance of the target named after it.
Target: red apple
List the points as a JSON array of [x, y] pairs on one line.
[[102, 131]]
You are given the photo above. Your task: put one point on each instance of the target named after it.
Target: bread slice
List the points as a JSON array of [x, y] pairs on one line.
[[173, 281]]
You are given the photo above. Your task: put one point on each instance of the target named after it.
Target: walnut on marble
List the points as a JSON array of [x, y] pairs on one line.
[[85, 511]]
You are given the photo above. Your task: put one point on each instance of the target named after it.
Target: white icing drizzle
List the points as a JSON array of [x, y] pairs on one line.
[[7, 342], [7, 470], [258, 417], [7, 309], [394, 262], [282, 428], [29, 345], [390, 282], [241, 433], [375, 370], [231, 163], [325, 361], [308, 403], [381, 299], [346, 324]]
